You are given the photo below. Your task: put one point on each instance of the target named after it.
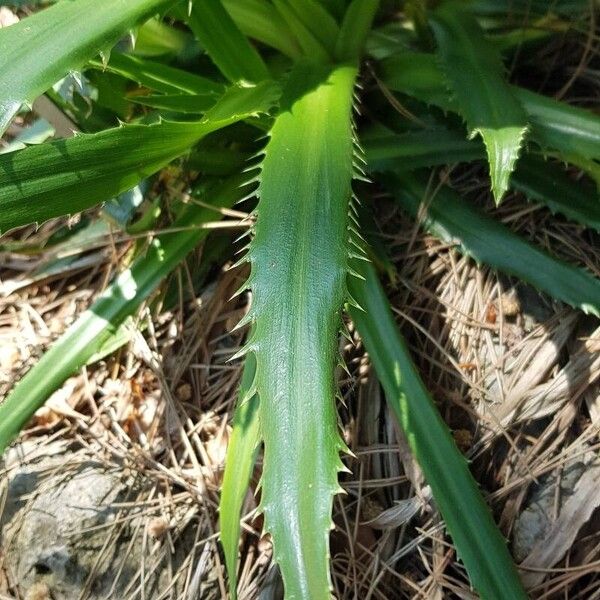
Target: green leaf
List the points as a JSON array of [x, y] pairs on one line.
[[226, 45], [543, 182], [179, 103], [158, 39], [554, 125], [239, 464], [453, 220], [475, 74], [479, 543], [96, 326], [298, 259], [415, 149], [569, 129], [41, 49], [538, 180], [355, 28], [68, 176], [317, 20], [156, 76], [530, 8], [260, 20], [311, 46]]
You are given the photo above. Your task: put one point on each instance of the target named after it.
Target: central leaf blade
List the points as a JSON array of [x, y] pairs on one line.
[[299, 259]]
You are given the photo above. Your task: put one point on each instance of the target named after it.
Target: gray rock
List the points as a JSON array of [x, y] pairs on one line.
[[49, 528]]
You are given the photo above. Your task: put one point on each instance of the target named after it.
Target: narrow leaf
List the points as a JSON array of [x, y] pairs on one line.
[[241, 457], [180, 103], [101, 321], [156, 76], [415, 149], [298, 263], [475, 74], [543, 182], [554, 124], [317, 20], [540, 181], [479, 543], [569, 129], [226, 45], [311, 46], [43, 48], [355, 28], [67, 176], [453, 220], [260, 20]]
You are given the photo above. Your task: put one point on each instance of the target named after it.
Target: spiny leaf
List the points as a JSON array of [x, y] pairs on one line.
[[415, 149], [299, 259], [554, 125], [96, 326], [156, 76], [569, 129], [487, 241], [241, 456], [475, 74], [543, 182], [38, 51], [479, 543], [179, 103], [67, 176], [226, 45], [540, 181]]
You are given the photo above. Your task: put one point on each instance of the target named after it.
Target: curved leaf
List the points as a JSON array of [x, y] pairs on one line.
[[540, 181], [355, 28], [415, 149], [475, 74], [241, 456], [453, 220], [554, 124], [479, 543], [310, 44], [543, 182], [178, 103], [226, 45], [38, 51], [156, 76], [67, 176], [298, 260], [101, 321], [260, 20]]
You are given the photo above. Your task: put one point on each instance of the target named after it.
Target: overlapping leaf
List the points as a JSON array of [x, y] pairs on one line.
[[156, 76], [554, 124], [88, 335], [226, 45], [67, 176], [260, 20], [454, 220], [540, 181], [43, 48], [475, 75], [356, 25]]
